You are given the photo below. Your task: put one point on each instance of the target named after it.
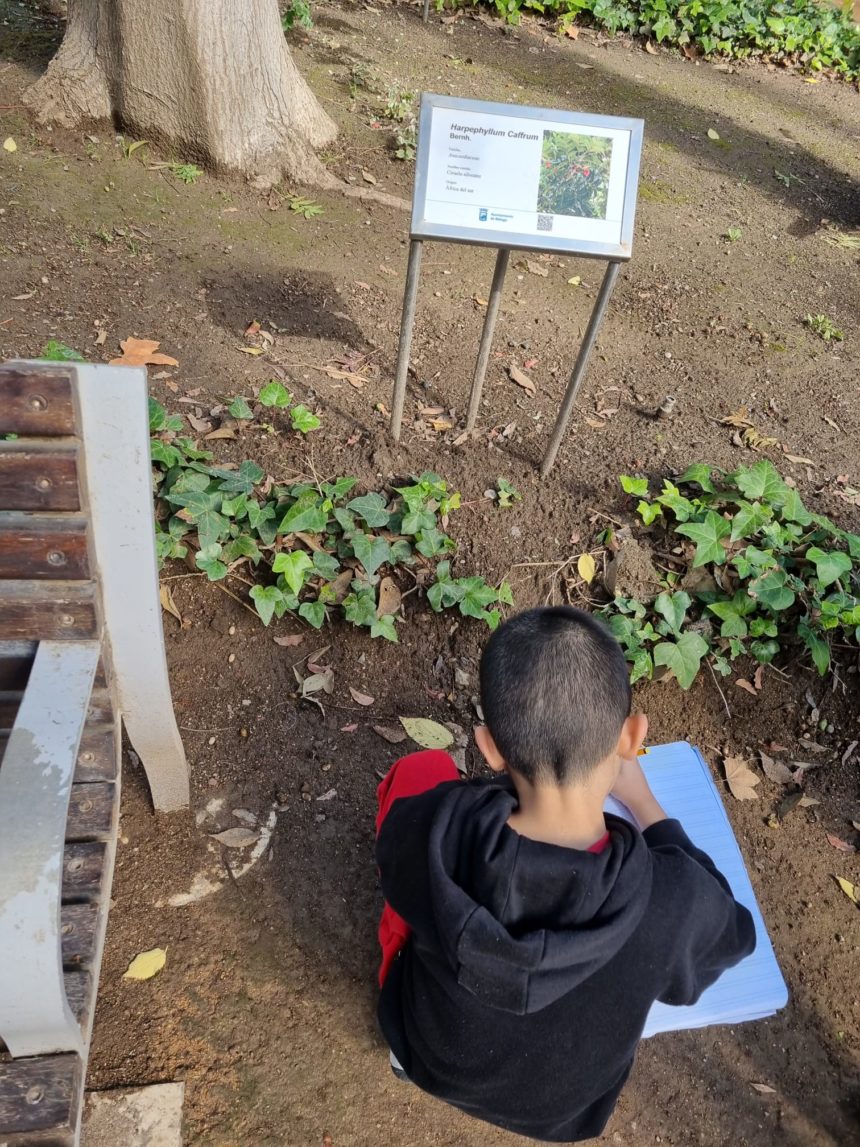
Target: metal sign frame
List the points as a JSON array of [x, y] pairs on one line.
[[423, 229]]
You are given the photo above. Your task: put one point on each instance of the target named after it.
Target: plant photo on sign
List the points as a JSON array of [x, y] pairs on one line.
[[574, 174], [758, 574]]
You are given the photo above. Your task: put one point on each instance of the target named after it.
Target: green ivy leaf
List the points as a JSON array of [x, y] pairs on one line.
[[707, 534], [642, 665], [163, 454], [771, 590], [241, 481], [762, 483], [306, 515], [698, 475], [314, 612], [384, 627], [303, 420], [683, 657], [638, 487], [793, 509], [267, 599], [748, 519], [274, 394], [240, 409], [293, 565], [673, 606], [830, 565], [242, 547], [371, 552], [370, 507], [817, 646]]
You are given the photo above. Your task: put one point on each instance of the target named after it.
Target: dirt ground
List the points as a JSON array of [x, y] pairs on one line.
[[266, 1005]]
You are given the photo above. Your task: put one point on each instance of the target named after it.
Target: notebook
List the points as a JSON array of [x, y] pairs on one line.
[[681, 781]]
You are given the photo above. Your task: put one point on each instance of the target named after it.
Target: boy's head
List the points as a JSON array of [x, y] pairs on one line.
[[556, 696]]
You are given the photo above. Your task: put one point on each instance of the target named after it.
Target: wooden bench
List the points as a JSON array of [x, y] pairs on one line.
[[81, 653]]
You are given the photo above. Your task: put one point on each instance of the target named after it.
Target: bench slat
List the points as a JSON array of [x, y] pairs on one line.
[[84, 871], [91, 812], [78, 924], [55, 611], [36, 400], [43, 546], [32, 479], [40, 1100]]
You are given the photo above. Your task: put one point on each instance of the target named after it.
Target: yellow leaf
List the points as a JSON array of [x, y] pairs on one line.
[[146, 964], [250, 349], [429, 734], [848, 888], [586, 567], [9, 144]]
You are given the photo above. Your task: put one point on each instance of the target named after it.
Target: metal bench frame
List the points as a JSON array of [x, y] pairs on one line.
[[113, 620]]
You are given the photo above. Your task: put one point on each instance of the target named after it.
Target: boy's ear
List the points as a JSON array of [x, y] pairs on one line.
[[633, 733], [489, 749]]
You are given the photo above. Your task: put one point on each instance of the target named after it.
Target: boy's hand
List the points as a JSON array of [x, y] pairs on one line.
[[632, 789]]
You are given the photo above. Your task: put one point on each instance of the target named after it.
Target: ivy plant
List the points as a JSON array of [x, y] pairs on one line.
[[308, 548], [761, 573]]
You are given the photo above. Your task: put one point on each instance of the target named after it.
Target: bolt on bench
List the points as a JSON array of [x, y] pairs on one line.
[[81, 653]]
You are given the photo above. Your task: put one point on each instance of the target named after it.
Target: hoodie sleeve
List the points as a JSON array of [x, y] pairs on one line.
[[714, 932]]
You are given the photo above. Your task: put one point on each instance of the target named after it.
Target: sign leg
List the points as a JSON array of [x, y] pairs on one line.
[[578, 372], [487, 336], [407, 322]]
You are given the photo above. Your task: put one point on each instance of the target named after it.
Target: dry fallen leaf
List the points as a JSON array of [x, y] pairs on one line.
[[740, 779], [429, 734], [165, 596], [288, 642], [145, 965], [838, 844], [521, 379], [848, 888], [236, 837], [586, 567], [392, 735], [776, 771], [764, 1089], [141, 352], [361, 698], [748, 686], [389, 598]]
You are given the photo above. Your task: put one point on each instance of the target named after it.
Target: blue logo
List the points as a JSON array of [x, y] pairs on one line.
[[482, 214]]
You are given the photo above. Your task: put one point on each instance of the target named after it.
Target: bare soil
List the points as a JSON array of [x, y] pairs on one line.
[[266, 1005]]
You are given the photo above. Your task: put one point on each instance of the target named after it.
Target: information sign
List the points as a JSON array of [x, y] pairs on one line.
[[503, 175]]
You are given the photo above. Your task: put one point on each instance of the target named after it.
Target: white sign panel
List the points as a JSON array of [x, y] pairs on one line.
[[510, 176]]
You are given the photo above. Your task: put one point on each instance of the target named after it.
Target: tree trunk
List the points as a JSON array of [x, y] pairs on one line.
[[210, 79]]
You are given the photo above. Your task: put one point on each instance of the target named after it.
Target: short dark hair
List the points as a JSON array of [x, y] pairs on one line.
[[555, 691]]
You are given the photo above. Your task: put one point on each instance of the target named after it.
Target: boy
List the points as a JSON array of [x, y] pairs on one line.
[[526, 934]]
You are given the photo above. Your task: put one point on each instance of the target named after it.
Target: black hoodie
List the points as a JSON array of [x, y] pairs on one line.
[[523, 990]]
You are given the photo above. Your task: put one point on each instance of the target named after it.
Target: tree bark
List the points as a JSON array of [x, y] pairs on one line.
[[211, 79]]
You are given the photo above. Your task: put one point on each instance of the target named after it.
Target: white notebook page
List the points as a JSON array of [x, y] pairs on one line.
[[682, 783]]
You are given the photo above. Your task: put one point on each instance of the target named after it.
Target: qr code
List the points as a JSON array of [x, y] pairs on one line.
[[545, 222]]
